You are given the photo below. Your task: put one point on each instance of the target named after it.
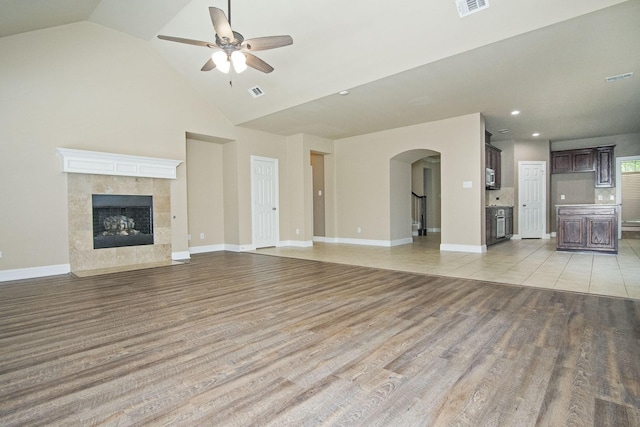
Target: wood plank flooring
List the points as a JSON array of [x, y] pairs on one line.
[[250, 340]]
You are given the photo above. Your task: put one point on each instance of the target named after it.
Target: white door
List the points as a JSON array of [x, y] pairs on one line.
[[532, 205], [264, 194]]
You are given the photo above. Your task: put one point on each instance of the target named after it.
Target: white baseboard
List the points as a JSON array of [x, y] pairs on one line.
[[295, 243], [544, 236], [33, 272], [325, 239], [364, 242], [206, 248], [221, 247], [463, 248], [176, 256]]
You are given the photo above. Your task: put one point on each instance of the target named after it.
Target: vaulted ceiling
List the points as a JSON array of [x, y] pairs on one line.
[[403, 62]]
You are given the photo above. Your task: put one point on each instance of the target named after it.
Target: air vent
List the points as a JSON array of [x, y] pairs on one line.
[[256, 91], [618, 77], [467, 7]]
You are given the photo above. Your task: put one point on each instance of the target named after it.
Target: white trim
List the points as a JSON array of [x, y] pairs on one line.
[[94, 162], [618, 184], [295, 243], [206, 248], [398, 242], [543, 165], [177, 256], [33, 272], [254, 198], [325, 239], [463, 248]]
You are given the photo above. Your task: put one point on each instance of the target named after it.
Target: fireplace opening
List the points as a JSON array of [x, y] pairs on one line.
[[122, 220]]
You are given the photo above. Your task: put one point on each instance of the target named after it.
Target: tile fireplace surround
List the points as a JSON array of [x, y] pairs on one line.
[[82, 257], [107, 173]]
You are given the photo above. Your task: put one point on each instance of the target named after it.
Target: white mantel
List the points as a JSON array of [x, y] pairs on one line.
[[94, 162]]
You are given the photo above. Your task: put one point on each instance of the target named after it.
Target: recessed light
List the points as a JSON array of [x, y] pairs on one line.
[[618, 77], [535, 134], [515, 112], [343, 93]]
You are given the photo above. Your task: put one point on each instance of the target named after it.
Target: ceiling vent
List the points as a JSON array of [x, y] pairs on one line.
[[618, 77], [256, 91], [467, 7]]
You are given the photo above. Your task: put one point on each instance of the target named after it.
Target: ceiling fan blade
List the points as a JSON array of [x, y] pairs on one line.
[[208, 66], [188, 41], [257, 63], [264, 43], [221, 24]]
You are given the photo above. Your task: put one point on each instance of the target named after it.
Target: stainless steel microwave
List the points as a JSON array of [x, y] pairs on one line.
[[490, 177]]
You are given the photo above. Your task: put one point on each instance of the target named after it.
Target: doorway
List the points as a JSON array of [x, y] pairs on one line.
[[264, 201], [628, 195], [317, 170], [532, 200]]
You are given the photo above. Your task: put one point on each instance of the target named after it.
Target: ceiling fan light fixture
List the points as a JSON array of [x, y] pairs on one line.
[[221, 60], [239, 61]]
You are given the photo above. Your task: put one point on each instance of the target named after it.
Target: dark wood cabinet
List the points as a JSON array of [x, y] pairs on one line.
[[604, 167], [591, 228], [561, 162], [582, 160], [572, 161], [492, 226], [599, 159], [493, 161]]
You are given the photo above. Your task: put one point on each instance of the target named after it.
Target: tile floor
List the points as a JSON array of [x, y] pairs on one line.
[[529, 262]]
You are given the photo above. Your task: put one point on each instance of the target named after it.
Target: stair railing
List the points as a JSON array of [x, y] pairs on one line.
[[419, 213]]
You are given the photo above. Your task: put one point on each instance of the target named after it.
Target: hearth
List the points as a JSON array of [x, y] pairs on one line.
[[122, 220]]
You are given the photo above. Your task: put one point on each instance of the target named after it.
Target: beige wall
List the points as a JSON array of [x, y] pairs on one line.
[[363, 191], [86, 87], [96, 92], [514, 152], [205, 193]]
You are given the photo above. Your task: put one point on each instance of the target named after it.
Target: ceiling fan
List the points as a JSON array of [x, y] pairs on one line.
[[230, 47]]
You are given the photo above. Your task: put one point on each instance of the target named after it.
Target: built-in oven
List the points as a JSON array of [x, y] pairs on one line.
[[500, 224]]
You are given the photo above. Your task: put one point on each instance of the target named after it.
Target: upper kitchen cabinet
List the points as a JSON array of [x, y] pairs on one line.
[[599, 159], [572, 161], [493, 161], [604, 167]]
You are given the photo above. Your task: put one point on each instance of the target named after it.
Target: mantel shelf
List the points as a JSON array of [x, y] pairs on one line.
[[94, 162]]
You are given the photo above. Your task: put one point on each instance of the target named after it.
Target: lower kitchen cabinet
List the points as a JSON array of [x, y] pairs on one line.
[[592, 228], [499, 224]]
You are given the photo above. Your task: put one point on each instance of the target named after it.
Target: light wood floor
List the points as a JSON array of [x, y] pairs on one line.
[[530, 262], [241, 339]]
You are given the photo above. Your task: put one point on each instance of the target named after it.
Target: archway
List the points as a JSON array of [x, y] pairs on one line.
[[414, 176]]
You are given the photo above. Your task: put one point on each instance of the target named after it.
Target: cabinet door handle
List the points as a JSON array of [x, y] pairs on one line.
[[524, 206]]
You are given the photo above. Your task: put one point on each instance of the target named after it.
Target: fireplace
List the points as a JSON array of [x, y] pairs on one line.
[[122, 220]]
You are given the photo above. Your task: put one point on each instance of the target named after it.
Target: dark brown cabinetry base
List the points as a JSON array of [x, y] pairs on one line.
[[592, 228], [499, 224]]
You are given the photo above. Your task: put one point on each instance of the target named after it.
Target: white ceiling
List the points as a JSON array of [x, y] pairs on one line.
[[404, 62]]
